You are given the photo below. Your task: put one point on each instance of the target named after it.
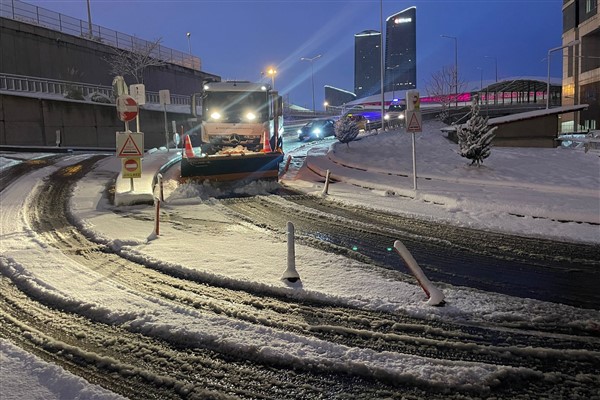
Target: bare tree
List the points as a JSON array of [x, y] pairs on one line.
[[441, 87], [135, 61]]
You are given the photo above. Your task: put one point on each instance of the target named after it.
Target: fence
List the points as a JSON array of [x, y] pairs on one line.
[[28, 84], [20, 11]]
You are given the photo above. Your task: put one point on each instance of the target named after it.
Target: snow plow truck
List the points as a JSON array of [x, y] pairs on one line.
[[237, 135]]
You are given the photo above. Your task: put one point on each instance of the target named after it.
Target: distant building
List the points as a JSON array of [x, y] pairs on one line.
[[581, 64], [337, 97], [367, 63], [401, 50]]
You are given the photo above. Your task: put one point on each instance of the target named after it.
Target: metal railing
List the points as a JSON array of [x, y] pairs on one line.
[[28, 13], [28, 84]]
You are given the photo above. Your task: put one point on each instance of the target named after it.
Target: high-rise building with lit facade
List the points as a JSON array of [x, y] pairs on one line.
[[367, 63], [401, 50], [581, 64]]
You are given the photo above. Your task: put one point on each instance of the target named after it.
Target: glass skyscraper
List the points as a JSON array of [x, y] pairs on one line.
[[367, 63], [401, 51]]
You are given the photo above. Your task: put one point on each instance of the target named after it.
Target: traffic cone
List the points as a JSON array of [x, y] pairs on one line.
[[266, 143], [189, 151]]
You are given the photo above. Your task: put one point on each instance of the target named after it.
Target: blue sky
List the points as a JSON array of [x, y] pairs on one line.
[[237, 39]]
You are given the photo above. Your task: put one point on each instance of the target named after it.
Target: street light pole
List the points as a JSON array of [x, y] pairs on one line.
[[382, 65], [455, 66], [272, 71], [570, 44], [189, 42], [89, 12], [393, 80], [312, 77], [496, 64]]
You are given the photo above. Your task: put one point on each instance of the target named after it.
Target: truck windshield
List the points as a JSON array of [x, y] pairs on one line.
[[235, 107]]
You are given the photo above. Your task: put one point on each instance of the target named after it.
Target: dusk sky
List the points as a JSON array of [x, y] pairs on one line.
[[237, 39]]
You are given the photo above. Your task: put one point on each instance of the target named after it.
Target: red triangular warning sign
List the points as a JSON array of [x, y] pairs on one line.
[[130, 148], [414, 125]]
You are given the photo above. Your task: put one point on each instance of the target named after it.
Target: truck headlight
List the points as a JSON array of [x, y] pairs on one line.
[[250, 116], [401, 116], [215, 115]]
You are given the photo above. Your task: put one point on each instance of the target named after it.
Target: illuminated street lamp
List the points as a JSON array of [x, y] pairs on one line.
[[570, 44], [455, 65], [325, 105], [272, 72], [312, 74], [189, 43]]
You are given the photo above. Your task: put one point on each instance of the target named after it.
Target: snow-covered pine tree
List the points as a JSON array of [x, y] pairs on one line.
[[346, 130], [475, 137]]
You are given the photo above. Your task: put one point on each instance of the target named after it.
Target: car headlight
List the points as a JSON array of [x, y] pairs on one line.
[[215, 115], [250, 116], [317, 131]]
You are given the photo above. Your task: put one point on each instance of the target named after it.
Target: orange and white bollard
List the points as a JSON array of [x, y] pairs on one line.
[[156, 216], [161, 191], [287, 164]]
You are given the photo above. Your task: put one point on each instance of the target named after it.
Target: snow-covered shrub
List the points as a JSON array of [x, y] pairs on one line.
[[99, 98], [346, 130], [475, 137], [73, 92]]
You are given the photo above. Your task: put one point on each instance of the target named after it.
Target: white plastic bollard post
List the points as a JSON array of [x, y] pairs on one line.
[[326, 187], [290, 274], [436, 297]]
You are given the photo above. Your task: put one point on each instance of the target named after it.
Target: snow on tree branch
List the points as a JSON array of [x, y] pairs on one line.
[[346, 130], [134, 62], [475, 137]]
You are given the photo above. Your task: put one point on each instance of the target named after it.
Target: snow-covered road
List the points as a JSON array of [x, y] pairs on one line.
[[195, 299]]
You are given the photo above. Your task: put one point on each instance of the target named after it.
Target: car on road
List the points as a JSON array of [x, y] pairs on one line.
[[317, 129], [359, 119]]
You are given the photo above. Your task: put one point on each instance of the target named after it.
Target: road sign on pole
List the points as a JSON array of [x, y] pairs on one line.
[[127, 108], [138, 92], [413, 124], [164, 96], [413, 121], [130, 144], [131, 168]]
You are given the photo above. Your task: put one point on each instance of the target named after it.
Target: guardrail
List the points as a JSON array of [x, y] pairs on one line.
[[28, 84], [34, 15]]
